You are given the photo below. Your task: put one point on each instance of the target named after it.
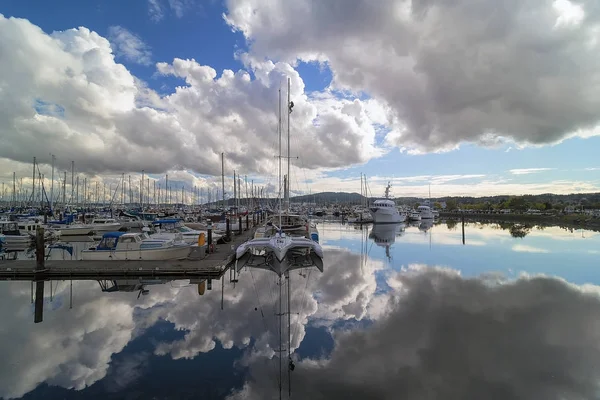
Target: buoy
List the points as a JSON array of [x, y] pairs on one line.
[[201, 239], [201, 288]]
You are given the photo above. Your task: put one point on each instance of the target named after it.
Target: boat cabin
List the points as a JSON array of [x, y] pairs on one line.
[[120, 241], [9, 228], [104, 221], [384, 203], [171, 225]]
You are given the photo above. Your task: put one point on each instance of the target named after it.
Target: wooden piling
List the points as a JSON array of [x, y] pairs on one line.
[[209, 238], [40, 253], [38, 313], [463, 227], [240, 228], [227, 229], [247, 219]]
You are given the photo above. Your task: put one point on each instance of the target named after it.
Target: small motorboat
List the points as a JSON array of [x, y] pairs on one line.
[[12, 235], [414, 216], [136, 246]]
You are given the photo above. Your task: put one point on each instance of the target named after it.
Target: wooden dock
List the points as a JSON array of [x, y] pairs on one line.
[[213, 266]]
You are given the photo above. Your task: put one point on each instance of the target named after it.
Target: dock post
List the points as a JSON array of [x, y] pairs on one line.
[[254, 219], [209, 284], [227, 229], [463, 227], [209, 237], [247, 219], [38, 314], [39, 249], [240, 228]]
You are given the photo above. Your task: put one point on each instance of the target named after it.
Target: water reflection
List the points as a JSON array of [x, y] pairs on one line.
[[397, 309]]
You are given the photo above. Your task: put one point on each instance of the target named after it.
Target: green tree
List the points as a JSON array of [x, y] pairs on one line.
[[451, 205], [548, 205], [518, 203], [437, 205]]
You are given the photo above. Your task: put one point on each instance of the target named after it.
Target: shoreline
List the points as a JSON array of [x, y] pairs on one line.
[[568, 221]]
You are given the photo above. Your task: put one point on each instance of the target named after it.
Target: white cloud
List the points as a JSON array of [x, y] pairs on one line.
[[472, 337], [523, 248], [446, 71], [526, 171], [113, 123], [129, 46], [155, 10]]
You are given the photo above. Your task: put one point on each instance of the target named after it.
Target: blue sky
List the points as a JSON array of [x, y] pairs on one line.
[[187, 29]]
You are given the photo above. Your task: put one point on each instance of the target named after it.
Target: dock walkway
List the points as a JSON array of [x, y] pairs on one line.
[[213, 266]]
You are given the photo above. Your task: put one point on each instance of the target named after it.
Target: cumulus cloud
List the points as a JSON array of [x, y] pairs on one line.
[[442, 336], [129, 46], [448, 72], [112, 122]]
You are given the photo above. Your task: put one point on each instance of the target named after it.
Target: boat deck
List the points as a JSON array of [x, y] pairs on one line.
[[212, 266]]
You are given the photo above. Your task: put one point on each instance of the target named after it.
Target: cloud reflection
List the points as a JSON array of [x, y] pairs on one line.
[[446, 337]]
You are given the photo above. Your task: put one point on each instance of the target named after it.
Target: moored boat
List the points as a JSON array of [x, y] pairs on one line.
[[135, 246]]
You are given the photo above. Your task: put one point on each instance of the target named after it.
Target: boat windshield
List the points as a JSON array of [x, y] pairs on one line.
[[108, 243]]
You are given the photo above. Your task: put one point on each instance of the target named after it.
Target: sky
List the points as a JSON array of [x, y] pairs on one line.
[[498, 98]]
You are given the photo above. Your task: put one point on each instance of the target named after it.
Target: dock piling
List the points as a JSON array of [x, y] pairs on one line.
[[240, 228], [227, 229], [39, 249], [247, 219], [209, 237]]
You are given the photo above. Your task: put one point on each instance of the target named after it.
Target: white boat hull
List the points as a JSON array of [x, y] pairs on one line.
[[79, 231], [380, 217], [171, 253], [16, 239], [111, 227]]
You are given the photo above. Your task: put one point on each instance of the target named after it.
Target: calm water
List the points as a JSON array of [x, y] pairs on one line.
[[399, 312]]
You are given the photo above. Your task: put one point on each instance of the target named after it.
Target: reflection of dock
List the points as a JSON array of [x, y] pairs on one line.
[[213, 266]]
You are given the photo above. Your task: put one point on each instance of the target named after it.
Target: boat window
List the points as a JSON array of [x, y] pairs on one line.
[[108, 243], [127, 240]]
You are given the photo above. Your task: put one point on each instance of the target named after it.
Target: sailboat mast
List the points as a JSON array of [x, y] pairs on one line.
[[223, 179], [52, 187], [279, 132], [32, 188], [287, 192]]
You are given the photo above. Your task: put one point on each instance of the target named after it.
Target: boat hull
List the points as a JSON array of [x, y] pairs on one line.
[[83, 231], [111, 227], [387, 218], [172, 253]]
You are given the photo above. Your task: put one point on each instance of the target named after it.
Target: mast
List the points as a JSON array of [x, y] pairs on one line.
[[52, 187], [130, 190], [234, 190], [223, 179], [289, 107], [166, 187], [14, 193], [32, 186], [123, 189], [65, 190], [142, 191], [72, 179], [279, 132]]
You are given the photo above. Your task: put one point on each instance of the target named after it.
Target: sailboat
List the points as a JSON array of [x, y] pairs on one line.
[[284, 221]]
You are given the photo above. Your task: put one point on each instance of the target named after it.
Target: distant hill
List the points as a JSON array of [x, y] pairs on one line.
[[329, 198]]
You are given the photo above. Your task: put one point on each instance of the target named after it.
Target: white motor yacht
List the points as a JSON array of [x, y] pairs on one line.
[[414, 216], [384, 211], [135, 246], [425, 212]]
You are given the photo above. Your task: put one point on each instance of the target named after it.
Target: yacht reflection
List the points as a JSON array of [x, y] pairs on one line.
[[385, 235], [425, 225]]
